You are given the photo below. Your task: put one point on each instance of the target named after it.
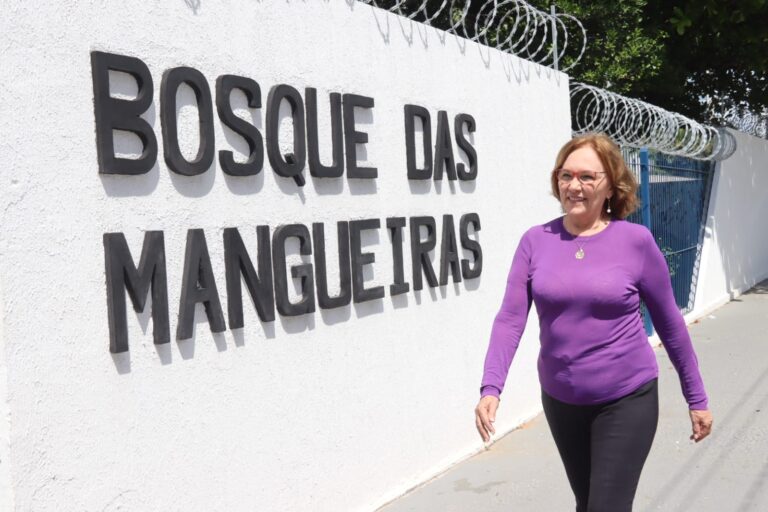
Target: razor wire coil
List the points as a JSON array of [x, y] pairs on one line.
[[631, 122], [747, 122], [517, 28], [511, 26]]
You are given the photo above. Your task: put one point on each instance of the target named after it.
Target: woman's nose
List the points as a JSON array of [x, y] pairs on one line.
[[575, 185]]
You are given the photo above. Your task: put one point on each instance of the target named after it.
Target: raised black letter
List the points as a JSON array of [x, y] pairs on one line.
[[458, 128], [395, 226], [321, 276], [316, 168], [304, 272], [411, 113], [293, 166], [443, 148], [470, 245], [237, 262], [359, 259], [420, 251], [172, 79], [123, 275], [121, 114], [353, 137], [198, 285], [224, 86], [449, 253]]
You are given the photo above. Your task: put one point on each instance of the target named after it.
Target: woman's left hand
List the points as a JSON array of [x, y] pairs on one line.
[[701, 422]]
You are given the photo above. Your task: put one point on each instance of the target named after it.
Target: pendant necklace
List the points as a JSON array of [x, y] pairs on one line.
[[579, 255]]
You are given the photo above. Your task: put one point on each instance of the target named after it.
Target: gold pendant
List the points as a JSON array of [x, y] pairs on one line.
[[580, 254]]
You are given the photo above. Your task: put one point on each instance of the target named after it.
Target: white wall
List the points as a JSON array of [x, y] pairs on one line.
[[735, 250], [339, 410], [6, 488]]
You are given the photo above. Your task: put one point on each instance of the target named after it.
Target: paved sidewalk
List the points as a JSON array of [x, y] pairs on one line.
[[728, 472]]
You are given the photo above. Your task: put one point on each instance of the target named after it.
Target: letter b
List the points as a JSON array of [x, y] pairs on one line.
[[121, 114]]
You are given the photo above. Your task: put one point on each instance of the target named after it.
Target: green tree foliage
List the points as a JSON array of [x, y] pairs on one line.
[[696, 57], [623, 49]]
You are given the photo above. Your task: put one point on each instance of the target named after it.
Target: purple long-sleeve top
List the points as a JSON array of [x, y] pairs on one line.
[[593, 344]]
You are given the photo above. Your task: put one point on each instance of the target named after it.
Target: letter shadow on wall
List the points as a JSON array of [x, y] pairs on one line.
[[379, 15], [187, 346], [238, 335], [518, 69], [122, 360]]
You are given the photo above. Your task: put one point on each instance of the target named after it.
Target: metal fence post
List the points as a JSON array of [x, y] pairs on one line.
[[555, 62], [645, 188], [645, 200]]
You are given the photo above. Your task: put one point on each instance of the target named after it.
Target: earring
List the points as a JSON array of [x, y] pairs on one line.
[[609, 206]]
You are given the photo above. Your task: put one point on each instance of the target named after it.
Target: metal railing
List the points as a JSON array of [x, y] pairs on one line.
[[674, 193]]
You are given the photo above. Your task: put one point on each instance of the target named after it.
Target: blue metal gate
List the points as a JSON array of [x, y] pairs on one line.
[[674, 193]]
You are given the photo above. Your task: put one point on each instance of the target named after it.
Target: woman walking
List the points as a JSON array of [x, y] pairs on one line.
[[587, 272]]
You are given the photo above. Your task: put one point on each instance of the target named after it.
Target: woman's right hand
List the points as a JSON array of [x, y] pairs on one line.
[[485, 415], [701, 423]]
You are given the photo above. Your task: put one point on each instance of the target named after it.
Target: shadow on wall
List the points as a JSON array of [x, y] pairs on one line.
[[515, 68], [289, 325], [193, 4], [759, 289], [740, 210]]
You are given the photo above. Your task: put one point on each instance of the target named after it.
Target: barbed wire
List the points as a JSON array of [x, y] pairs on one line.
[[632, 122], [747, 122], [516, 27], [511, 26]]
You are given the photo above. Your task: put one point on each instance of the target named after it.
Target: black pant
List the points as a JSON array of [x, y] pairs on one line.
[[604, 446]]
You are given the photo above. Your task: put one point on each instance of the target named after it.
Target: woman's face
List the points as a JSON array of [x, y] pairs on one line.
[[585, 186]]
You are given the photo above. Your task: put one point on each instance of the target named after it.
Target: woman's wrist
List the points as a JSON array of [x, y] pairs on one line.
[[490, 390]]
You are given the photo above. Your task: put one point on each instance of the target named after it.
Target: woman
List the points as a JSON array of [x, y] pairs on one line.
[[587, 272]]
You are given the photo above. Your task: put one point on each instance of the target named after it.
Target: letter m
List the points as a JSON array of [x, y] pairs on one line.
[[123, 275]]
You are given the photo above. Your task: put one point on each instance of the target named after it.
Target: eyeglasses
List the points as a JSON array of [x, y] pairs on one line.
[[586, 178]]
